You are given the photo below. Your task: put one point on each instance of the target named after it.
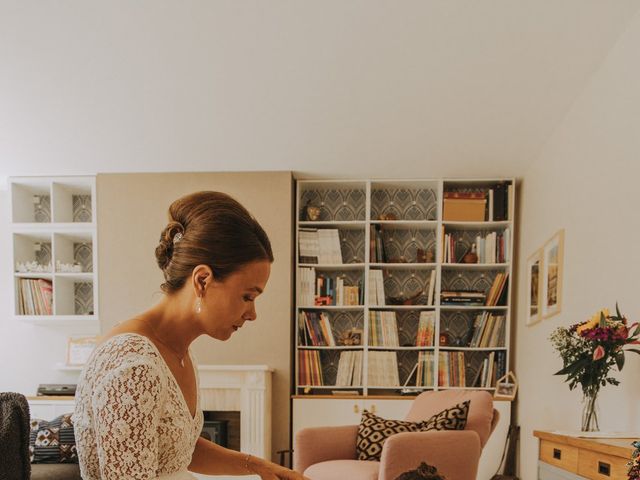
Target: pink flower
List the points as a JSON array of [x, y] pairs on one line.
[[598, 353]]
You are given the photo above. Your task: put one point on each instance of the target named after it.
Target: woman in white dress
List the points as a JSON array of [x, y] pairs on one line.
[[137, 412]]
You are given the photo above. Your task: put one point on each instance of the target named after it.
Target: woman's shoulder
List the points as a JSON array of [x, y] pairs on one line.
[[125, 350]]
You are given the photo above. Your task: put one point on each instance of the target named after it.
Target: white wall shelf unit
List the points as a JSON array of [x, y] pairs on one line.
[[55, 274]]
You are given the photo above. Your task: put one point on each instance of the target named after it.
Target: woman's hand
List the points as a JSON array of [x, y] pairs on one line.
[[271, 471]]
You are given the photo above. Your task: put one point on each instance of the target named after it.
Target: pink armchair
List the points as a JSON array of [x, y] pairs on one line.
[[329, 453]]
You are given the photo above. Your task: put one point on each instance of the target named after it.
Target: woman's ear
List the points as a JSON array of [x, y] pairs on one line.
[[201, 279]]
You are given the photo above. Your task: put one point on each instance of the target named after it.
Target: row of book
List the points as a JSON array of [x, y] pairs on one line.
[[488, 331], [320, 246], [349, 369], [491, 248], [383, 369], [315, 329], [35, 296], [326, 290], [426, 329], [309, 368], [497, 294], [452, 370], [383, 329]]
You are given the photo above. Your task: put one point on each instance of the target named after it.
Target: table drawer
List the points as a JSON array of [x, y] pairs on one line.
[[599, 466], [560, 455]]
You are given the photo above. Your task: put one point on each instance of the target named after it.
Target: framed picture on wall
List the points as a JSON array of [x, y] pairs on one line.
[[534, 287], [79, 349], [553, 253]]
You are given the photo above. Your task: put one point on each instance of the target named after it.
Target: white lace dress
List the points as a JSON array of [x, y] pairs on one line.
[[131, 420]]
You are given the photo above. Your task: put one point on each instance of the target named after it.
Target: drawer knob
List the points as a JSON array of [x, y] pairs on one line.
[[557, 454], [604, 469]]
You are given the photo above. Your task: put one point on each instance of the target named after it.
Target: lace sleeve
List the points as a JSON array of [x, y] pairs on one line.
[[127, 407]]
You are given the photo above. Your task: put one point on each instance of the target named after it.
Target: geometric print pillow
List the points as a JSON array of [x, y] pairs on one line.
[[54, 441], [374, 430]]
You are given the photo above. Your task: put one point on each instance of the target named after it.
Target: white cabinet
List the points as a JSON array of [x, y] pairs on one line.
[[47, 408]]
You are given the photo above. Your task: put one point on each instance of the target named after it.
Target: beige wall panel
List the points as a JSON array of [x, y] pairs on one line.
[[132, 211]]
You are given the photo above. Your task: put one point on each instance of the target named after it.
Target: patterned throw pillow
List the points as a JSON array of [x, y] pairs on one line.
[[374, 430], [54, 441]]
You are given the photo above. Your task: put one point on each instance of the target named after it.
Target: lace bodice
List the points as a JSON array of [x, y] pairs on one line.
[[131, 420]]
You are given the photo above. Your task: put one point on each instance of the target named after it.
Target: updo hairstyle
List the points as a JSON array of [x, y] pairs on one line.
[[213, 229]]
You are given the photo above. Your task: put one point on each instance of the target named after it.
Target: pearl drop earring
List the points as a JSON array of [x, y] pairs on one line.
[[198, 305]]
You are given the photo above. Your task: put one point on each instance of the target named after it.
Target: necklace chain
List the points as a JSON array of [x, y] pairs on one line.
[[176, 354]]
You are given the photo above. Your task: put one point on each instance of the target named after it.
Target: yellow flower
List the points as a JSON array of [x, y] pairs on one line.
[[595, 320]]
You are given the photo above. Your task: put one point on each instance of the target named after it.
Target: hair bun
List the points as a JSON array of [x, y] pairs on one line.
[[164, 250]]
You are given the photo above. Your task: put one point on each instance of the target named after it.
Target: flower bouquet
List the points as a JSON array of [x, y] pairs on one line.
[[589, 350], [634, 464]]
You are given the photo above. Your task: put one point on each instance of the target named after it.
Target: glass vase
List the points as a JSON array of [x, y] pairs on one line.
[[590, 412]]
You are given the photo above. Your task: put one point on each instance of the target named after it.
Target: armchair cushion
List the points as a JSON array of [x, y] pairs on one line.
[[343, 469], [374, 431]]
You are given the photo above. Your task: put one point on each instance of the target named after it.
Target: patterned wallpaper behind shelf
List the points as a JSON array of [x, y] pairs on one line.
[[42, 208], [406, 284], [335, 204], [43, 255], [468, 279], [83, 254], [403, 244], [83, 295], [404, 203], [81, 208]]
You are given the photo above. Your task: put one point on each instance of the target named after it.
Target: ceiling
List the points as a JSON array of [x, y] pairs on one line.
[[331, 88]]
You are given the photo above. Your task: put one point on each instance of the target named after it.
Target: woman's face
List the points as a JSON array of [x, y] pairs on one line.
[[227, 304]]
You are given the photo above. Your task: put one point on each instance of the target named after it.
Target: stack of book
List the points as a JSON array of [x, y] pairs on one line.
[[309, 368], [462, 297], [451, 369], [383, 329], [306, 286], [320, 246], [497, 292], [349, 369], [383, 369], [316, 329], [488, 331], [426, 329], [36, 297]]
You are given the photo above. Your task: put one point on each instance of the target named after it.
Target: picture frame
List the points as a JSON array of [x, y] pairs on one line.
[[506, 387], [534, 287], [79, 350], [552, 268]]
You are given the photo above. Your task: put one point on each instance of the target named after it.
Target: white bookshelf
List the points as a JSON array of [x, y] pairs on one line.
[[410, 213], [54, 237]]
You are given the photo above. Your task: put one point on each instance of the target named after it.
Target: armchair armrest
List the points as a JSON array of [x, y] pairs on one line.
[[455, 454], [315, 445]]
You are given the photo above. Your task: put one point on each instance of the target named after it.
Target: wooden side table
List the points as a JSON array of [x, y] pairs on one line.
[[564, 457]]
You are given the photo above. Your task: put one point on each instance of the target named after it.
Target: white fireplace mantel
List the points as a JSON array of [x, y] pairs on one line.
[[245, 389]]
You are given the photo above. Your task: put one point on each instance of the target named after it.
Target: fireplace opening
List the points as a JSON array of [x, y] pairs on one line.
[[222, 428]]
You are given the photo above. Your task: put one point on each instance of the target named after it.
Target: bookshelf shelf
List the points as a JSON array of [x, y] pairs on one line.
[[54, 250], [474, 266], [403, 266], [393, 233]]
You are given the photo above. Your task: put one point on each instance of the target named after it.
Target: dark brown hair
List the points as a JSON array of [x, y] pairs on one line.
[[214, 230], [423, 472]]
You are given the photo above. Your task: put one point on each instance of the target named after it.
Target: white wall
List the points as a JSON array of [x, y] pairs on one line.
[[585, 181]]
